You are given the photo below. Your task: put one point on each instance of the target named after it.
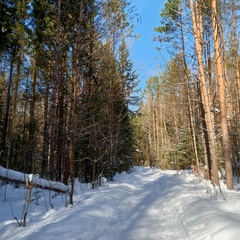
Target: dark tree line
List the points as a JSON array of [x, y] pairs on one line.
[[66, 84]]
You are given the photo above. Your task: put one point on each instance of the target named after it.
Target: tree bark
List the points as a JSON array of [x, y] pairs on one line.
[[7, 114], [189, 104], [32, 124], [198, 37], [53, 109], [69, 171], [222, 97]]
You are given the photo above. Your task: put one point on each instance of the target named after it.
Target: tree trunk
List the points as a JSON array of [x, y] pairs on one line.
[[45, 148], [53, 109], [222, 97], [198, 37], [235, 121], [32, 124], [207, 150], [189, 104], [13, 131], [69, 171], [6, 118]]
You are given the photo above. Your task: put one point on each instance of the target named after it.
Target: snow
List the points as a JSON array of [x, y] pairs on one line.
[[147, 204]]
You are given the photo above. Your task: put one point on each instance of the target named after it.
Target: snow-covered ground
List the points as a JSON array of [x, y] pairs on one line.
[[147, 204]]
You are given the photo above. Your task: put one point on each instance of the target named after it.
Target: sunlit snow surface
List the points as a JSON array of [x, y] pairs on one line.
[[147, 204]]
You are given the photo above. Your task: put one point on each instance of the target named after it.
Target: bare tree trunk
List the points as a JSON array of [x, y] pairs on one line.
[[7, 115], [53, 109], [62, 115], [158, 128], [45, 149], [32, 124], [190, 111], [208, 170], [237, 89], [222, 97], [69, 165], [29, 187], [198, 36], [13, 131]]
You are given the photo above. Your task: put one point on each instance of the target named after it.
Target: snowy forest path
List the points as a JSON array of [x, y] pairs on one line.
[[149, 213], [148, 204]]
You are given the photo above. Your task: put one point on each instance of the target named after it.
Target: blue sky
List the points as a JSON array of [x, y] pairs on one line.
[[144, 49]]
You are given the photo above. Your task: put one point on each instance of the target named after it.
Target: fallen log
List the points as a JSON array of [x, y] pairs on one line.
[[13, 176]]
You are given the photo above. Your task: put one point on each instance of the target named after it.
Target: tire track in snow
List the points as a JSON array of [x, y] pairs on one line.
[[175, 220], [149, 214]]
